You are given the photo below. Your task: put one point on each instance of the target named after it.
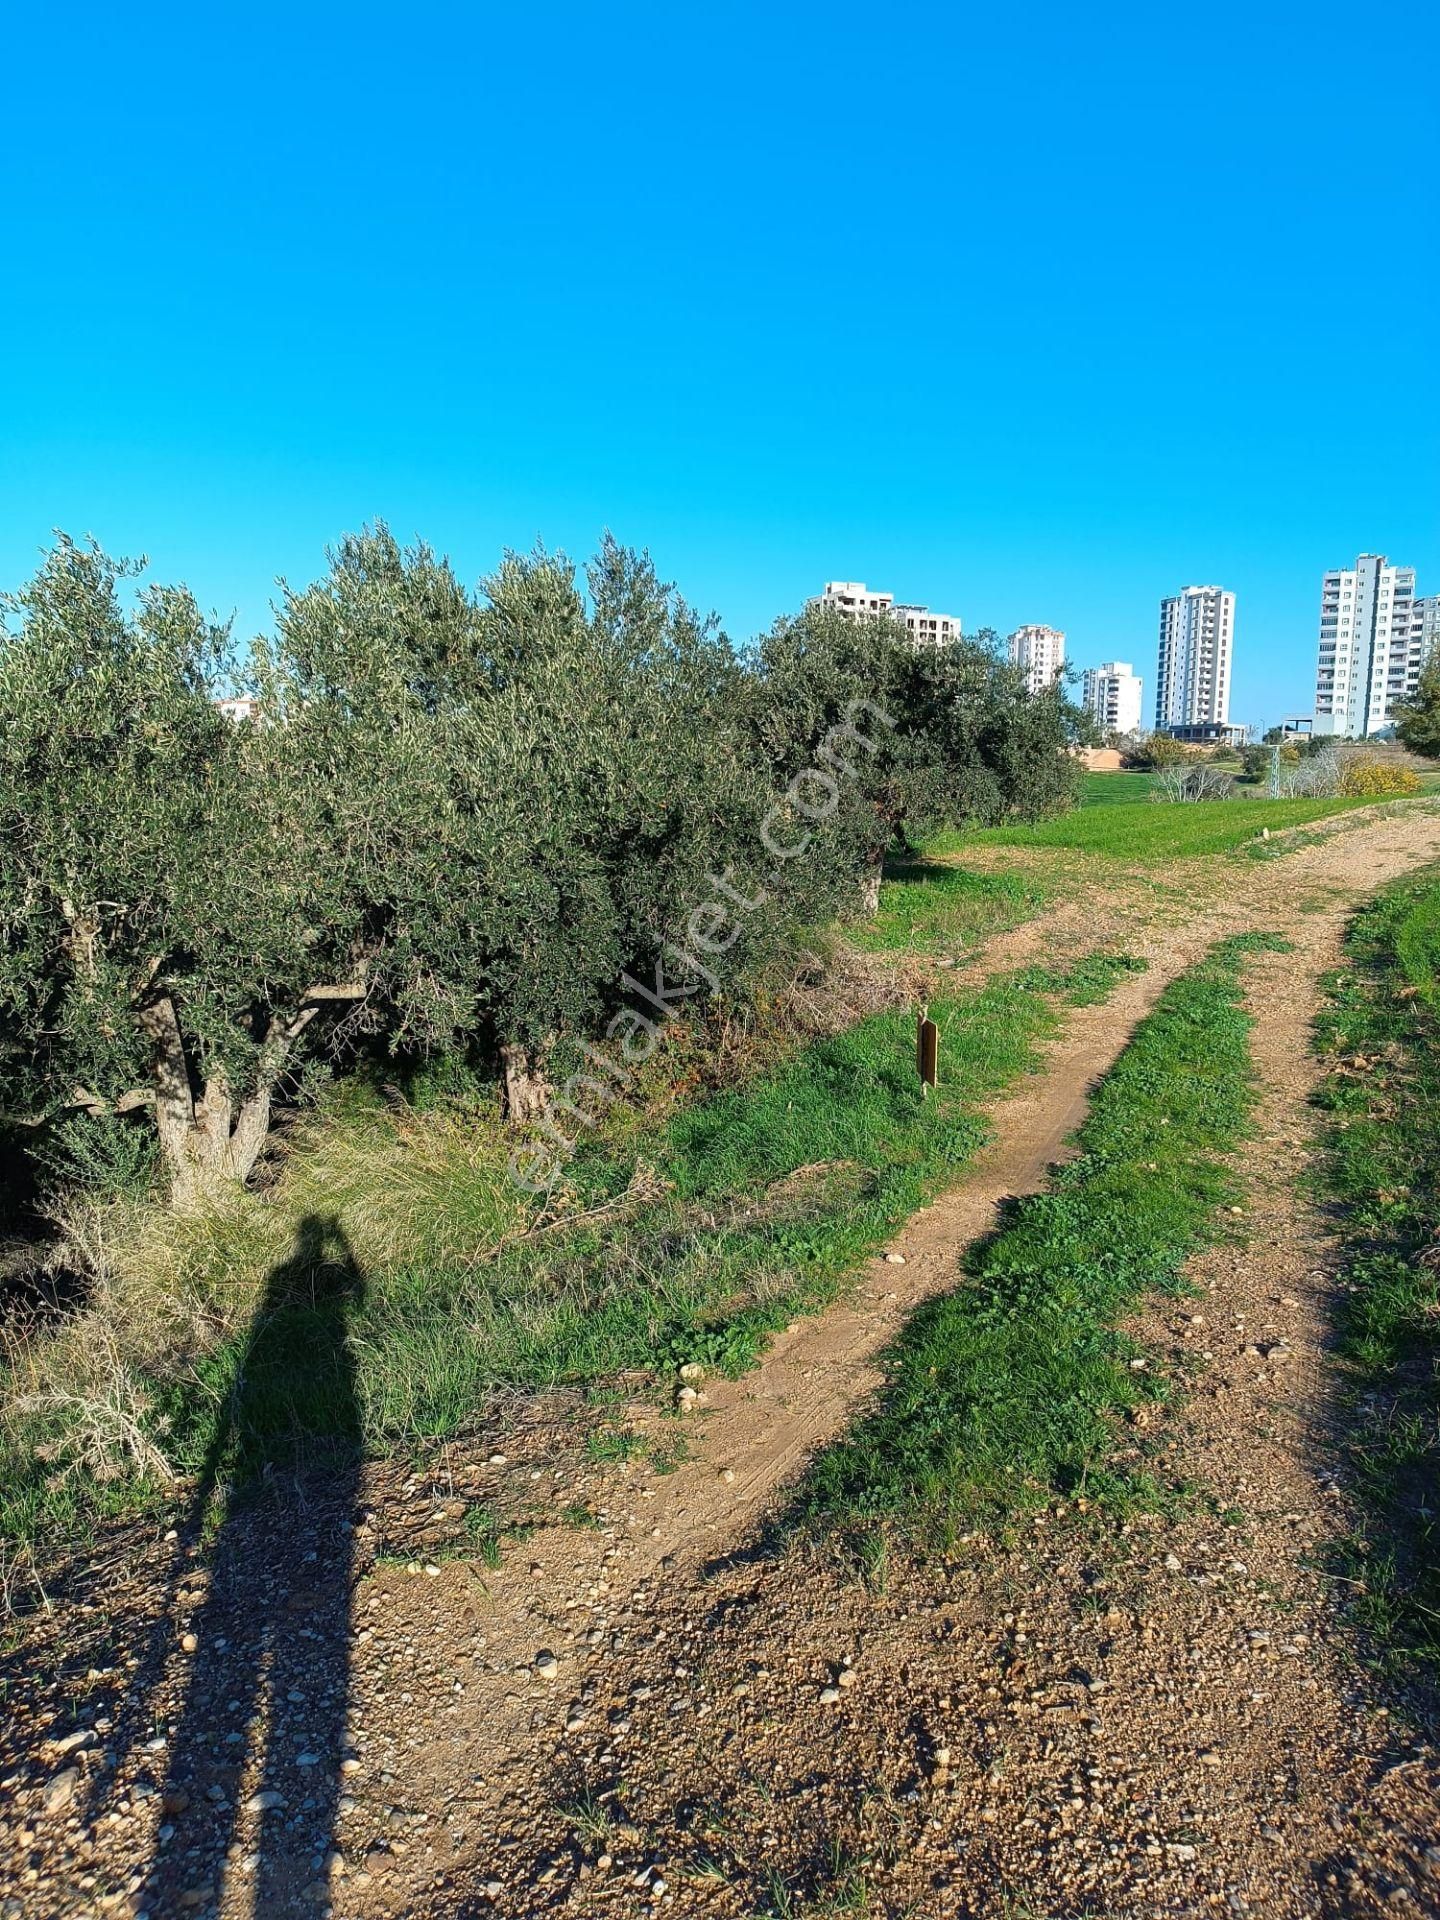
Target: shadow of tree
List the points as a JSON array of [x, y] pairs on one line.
[[256, 1748]]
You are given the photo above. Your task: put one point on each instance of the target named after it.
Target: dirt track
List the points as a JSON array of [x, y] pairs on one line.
[[1126, 1734]]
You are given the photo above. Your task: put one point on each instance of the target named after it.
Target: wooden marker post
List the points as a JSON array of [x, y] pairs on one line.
[[927, 1051]]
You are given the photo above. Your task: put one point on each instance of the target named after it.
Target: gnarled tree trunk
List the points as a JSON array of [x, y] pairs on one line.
[[527, 1091], [208, 1142]]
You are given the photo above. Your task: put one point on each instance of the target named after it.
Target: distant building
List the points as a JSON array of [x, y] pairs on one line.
[[853, 600], [1427, 617], [927, 629], [1197, 637], [239, 706], [1374, 635], [1112, 693], [1040, 653]]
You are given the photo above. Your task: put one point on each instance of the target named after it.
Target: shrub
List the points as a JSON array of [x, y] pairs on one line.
[[1191, 783], [1316, 776], [1158, 751], [1361, 776]]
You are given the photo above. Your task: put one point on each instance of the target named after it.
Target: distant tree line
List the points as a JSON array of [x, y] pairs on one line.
[[457, 821]]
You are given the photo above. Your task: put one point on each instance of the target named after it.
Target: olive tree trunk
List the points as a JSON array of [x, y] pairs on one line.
[[527, 1091], [210, 1140]]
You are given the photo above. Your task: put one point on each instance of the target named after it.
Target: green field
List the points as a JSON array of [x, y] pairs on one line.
[[1147, 830], [1115, 789], [928, 908]]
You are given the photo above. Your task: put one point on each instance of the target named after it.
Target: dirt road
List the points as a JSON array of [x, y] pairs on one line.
[[645, 1715]]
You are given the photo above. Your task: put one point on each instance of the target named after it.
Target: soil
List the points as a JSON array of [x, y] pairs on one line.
[[659, 1706]]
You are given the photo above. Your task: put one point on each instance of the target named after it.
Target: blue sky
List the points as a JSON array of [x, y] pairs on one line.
[[1032, 312]]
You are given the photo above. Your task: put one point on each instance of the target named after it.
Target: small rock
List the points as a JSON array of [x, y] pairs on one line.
[[265, 1801], [546, 1665], [846, 1677], [60, 1791], [188, 1642], [894, 1259], [692, 1370], [828, 1696]]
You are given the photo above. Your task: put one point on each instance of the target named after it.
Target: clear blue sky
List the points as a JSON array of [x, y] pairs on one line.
[[1032, 311]]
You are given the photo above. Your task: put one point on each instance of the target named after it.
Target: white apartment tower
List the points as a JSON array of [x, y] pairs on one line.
[[1112, 694], [1374, 635], [926, 628], [853, 600], [1197, 636], [1427, 619], [1040, 653]]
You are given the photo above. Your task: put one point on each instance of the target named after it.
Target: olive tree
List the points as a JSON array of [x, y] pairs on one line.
[[164, 944], [950, 735], [1417, 720], [550, 777]]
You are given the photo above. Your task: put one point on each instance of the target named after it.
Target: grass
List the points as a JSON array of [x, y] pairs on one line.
[[1115, 789], [1379, 1037], [1003, 1393], [927, 908], [314, 1317], [1148, 831]]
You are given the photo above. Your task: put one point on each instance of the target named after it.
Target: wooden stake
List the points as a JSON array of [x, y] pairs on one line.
[[927, 1051]]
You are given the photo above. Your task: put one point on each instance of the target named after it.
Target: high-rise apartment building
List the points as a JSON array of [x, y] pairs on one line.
[[1040, 653], [1197, 637], [1112, 694], [853, 600], [1374, 636], [925, 627], [1427, 619]]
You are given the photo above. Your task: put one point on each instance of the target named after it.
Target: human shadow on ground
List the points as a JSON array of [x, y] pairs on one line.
[[255, 1744]]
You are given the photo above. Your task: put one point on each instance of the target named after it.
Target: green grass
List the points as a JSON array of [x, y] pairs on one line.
[[1380, 1039], [1003, 1392], [1149, 830], [1115, 789], [769, 1197], [928, 908]]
